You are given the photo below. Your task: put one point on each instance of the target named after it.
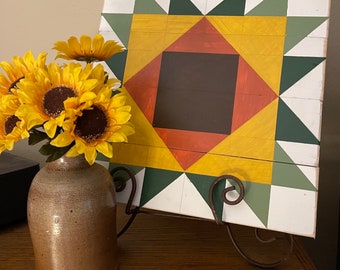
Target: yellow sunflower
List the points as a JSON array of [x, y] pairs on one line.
[[18, 69], [100, 74], [95, 128], [43, 95], [87, 49], [12, 129]]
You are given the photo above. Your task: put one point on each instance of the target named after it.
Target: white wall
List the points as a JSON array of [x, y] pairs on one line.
[[35, 25]]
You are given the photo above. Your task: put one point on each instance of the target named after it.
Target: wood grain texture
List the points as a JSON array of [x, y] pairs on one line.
[[160, 242]]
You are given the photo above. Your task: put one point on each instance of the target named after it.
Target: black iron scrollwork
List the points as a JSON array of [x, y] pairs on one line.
[[120, 186], [229, 229], [224, 193]]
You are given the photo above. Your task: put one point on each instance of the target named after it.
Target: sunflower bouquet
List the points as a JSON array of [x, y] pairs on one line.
[[74, 106]]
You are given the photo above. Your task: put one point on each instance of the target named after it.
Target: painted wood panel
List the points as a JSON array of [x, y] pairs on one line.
[[223, 87]]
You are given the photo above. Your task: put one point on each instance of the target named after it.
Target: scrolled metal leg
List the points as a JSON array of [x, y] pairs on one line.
[[229, 230], [120, 186], [224, 194]]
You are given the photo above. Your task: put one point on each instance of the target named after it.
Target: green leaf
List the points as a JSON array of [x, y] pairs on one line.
[[58, 154], [115, 92], [36, 136], [54, 152], [47, 149]]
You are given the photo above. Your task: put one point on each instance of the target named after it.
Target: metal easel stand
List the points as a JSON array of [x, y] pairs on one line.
[[132, 212]]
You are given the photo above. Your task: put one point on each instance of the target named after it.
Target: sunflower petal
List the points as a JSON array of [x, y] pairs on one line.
[[87, 49], [62, 140], [74, 47], [73, 152], [85, 43], [123, 117], [87, 96], [118, 137], [90, 154], [98, 42], [50, 128], [105, 148]]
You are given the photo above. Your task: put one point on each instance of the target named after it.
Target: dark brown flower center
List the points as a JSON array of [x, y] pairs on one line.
[[91, 125], [53, 101], [14, 85], [87, 58], [10, 123]]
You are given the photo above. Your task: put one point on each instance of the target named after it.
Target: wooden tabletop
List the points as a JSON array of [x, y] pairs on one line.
[[161, 242]]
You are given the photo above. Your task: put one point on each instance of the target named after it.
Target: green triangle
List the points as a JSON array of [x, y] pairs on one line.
[[156, 180], [101, 157], [117, 64], [202, 184], [148, 7], [294, 68], [289, 175], [183, 7], [281, 156], [257, 197], [120, 24], [229, 8], [290, 128], [298, 28], [270, 8]]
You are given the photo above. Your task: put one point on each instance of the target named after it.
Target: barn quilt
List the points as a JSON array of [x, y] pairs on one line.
[[223, 87]]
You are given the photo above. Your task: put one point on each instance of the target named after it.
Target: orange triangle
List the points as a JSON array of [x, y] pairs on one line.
[[143, 87], [186, 158], [251, 96], [189, 146], [202, 38]]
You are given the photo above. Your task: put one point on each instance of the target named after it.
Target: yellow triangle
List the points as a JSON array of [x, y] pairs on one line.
[[259, 40], [247, 153], [150, 35], [144, 132], [144, 148], [144, 156], [251, 170], [255, 139]]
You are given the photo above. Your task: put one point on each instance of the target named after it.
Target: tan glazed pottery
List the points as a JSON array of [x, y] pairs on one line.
[[71, 213]]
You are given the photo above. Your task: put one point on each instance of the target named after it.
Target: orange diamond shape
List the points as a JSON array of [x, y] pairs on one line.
[[252, 93]]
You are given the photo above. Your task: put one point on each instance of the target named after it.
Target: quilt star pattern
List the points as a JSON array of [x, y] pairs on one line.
[[223, 87]]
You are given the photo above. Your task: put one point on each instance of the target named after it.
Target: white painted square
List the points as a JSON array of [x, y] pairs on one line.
[[309, 47], [119, 6], [308, 8], [302, 153], [292, 211]]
